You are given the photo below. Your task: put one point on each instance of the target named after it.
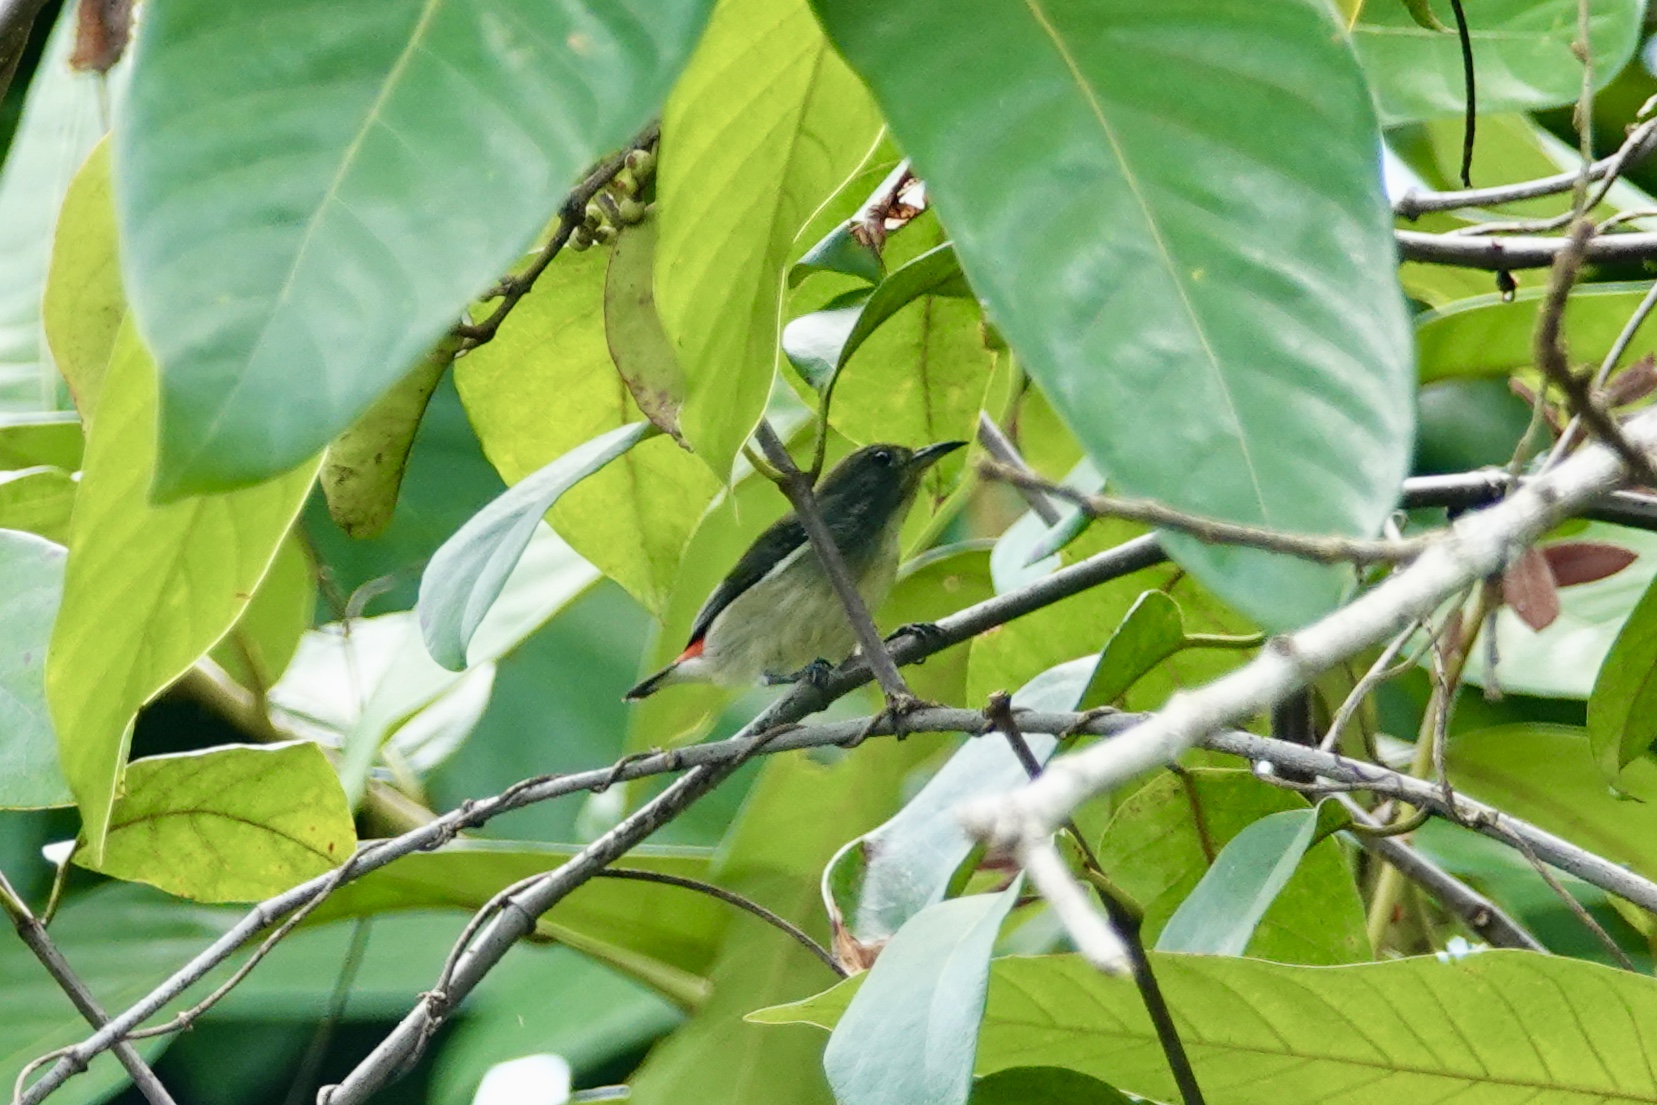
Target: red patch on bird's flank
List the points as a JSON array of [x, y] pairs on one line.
[[692, 650]]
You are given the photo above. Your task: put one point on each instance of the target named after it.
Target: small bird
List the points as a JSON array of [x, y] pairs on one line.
[[776, 616]]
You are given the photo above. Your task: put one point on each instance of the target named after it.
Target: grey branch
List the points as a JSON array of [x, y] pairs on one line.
[[34, 936], [1477, 546], [1639, 144], [1507, 254]]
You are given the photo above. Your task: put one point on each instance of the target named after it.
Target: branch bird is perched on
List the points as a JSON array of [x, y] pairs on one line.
[[776, 616]]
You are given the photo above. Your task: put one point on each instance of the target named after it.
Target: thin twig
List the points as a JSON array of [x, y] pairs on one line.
[[997, 445], [1555, 364], [1625, 338], [1126, 920], [1584, 110], [1321, 548], [1485, 918], [797, 486], [1577, 909], [1639, 143], [570, 215], [33, 934], [776, 921], [1470, 94]]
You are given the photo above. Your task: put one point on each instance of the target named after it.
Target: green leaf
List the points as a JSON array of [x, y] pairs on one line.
[[51, 439], [363, 469], [264, 639], [236, 823], [839, 251], [1521, 53], [31, 586], [63, 117], [921, 371], [1138, 293], [84, 301], [360, 685], [1043, 1086], [766, 121], [1220, 914], [1547, 774], [935, 272], [878, 882], [1486, 336], [309, 197], [633, 519], [1152, 631], [675, 926], [1622, 709], [149, 589], [910, 1033], [1162, 839], [1505, 1027], [1563, 660], [467, 574], [38, 500], [633, 330]]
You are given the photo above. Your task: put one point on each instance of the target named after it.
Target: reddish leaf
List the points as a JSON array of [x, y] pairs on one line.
[[1528, 587], [101, 33], [1573, 562]]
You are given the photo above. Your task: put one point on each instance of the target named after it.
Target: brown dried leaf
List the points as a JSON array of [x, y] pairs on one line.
[[1528, 587], [1633, 383], [1573, 562]]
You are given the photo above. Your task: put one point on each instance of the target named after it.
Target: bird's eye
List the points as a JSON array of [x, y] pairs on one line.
[[882, 457]]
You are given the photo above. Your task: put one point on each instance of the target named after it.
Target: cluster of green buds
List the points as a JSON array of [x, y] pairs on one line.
[[619, 203]]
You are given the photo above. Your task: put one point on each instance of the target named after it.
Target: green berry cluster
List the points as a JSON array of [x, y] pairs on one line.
[[619, 203]]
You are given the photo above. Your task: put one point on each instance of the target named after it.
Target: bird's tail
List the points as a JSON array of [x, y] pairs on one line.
[[650, 686]]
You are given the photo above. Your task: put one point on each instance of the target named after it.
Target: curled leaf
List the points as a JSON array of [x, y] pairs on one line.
[[1528, 587]]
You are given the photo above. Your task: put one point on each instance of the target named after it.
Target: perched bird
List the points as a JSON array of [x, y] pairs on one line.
[[775, 616]]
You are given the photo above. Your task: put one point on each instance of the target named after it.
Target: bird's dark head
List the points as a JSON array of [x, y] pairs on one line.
[[874, 485]]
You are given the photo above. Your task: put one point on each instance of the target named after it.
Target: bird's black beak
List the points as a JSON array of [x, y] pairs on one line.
[[932, 454]]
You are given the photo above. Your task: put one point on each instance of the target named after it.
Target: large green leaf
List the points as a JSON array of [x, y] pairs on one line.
[[31, 585], [84, 302], [1221, 913], [766, 122], [1256, 309], [910, 1033], [1522, 54], [53, 439], [1163, 838], [1622, 709], [1501, 1027], [63, 118], [38, 500], [467, 574], [633, 519], [236, 823], [1488, 335], [1547, 775], [264, 639], [149, 589], [310, 195]]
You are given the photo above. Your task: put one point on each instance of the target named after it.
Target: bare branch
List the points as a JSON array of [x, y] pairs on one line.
[[1477, 546], [1321, 548], [33, 935], [1555, 364], [997, 445], [1639, 144]]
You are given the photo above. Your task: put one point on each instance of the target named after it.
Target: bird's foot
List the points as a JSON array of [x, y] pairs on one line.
[[815, 674], [927, 634]]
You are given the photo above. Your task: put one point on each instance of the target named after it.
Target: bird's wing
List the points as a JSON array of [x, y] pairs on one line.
[[768, 550]]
